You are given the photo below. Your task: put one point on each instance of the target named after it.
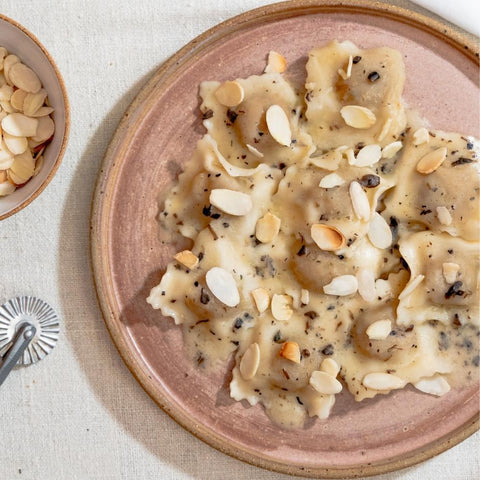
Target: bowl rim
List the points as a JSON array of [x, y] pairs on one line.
[[66, 133], [102, 202]]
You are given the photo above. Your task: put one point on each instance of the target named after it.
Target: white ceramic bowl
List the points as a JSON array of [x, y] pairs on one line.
[[19, 41]]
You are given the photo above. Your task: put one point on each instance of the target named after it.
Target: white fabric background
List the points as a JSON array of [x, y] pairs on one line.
[[79, 414]]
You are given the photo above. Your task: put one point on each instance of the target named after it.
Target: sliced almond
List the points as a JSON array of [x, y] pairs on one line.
[[290, 351], [431, 161], [368, 155], [250, 361], [23, 167], [321, 406], [6, 157], [346, 74], [358, 117], [15, 179], [385, 129], [342, 286], [304, 297], [276, 63], [261, 299], [24, 77], [450, 271], [384, 289], [7, 106], [6, 188], [17, 99], [231, 201], [330, 366], [222, 284], [436, 385], [3, 54], [16, 145], [9, 61], [187, 258], [45, 129], [6, 92], [324, 383], [3, 176], [390, 150], [33, 101], [366, 285], [327, 237], [379, 330], [282, 307], [382, 381], [350, 156], [360, 203], [20, 125], [411, 286], [444, 216], [379, 232], [279, 125], [421, 136], [254, 151], [38, 165], [267, 228], [331, 180], [42, 112], [230, 94]]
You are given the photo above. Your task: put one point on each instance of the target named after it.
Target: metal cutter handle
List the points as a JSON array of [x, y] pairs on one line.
[[24, 336]]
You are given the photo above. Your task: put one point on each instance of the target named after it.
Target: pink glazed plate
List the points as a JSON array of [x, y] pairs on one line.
[[154, 140]]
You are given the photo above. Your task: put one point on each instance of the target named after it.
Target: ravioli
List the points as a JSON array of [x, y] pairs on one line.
[[330, 246]]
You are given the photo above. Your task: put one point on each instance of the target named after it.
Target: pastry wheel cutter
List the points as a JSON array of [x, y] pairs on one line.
[[29, 329]]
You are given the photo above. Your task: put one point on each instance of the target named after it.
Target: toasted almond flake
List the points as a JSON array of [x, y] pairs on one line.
[[341, 286], [45, 129], [304, 297], [281, 307], [382, 381], [254, 151], [6, 157], [261, 299], [278, 125], [411, 286], [431, 161], [23, 167], [20, 125], [222, 284], [450, 271], [3, 54], [230, 94], [331, 180], [9, 61], [327, 237], [348, 73], [444, 216], [324, 383], [436, 385], [366, 285], [17, 99], [290, 351], [360, 203], [15, 179], [385, 129], [267, 228], [358, 117], [321, 406], [330, 366], [368, 155], [250, 361], [390, 150], [7, 106], [421, 136], [42, 112], [383, 289], [379, 232], [350, 156], [6, 188], [276, 63], [38, 165], [379, 330], [6, 92], [231, 201], [186, 258], [33, 101], [16, 145], [24, 77]]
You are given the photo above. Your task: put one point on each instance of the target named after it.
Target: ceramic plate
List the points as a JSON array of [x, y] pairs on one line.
[[158, 135]]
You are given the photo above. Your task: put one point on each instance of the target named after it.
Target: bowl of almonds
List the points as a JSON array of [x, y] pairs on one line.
[[34, 117]]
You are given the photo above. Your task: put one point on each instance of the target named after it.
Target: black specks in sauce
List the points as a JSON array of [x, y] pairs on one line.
[[302, 251], [311, 315], [328, 350], [373, 76], [299, 401], [207, 114], [356, 59], [369, 181], [232, 116], [455, 290], [277, 338], [443, 341], [462, 161], [207, 211], [204, 297]]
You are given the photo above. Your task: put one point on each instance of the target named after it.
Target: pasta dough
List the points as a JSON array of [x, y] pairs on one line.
[[330, 244]]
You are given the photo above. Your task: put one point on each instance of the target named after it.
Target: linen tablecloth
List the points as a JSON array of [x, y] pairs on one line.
[[79, 414]]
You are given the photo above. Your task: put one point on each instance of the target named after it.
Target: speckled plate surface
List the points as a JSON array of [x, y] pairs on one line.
[[157, 136]]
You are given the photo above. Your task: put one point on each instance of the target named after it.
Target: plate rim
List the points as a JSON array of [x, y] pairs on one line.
[[102, 204]]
